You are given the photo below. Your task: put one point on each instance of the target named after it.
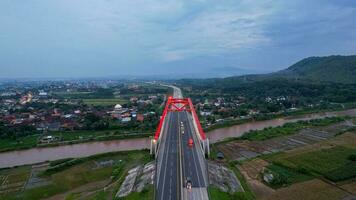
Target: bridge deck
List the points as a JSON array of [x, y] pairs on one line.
[[176, 161]]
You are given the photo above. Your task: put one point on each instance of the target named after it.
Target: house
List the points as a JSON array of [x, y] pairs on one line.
[[268, 177], [140, 117], [220, 155], [205, 113], [133, 99], [42, 93], [118, 107], [126, 119], [47, 139]]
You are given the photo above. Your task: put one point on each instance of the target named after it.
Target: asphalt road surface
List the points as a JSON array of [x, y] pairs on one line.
[[168, 187], [192, 156], [176, 161], [193, 161]]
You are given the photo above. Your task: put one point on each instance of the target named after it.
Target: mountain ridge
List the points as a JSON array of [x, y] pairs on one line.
[[333, 69]]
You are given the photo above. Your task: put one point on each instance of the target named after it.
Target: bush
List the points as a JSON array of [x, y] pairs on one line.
[[63, 166], [118, 169], [352, 157], [57, 162]]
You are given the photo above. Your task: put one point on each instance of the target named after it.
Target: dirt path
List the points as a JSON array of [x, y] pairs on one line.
[[258, 188]]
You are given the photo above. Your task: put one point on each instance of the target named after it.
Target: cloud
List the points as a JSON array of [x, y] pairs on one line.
[[218, 30], [133, 36]]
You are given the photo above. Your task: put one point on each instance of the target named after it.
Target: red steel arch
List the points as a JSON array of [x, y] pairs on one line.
[[179, 105]]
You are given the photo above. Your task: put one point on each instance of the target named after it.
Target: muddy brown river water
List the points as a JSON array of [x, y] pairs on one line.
[[37, 155]]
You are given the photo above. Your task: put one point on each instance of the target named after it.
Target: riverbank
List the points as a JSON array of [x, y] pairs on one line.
[[37, 155], [65, 138], [232, 122], [95, 176], [221, 134]]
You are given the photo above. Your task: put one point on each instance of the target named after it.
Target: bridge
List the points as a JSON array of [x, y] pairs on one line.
[[178, 163]]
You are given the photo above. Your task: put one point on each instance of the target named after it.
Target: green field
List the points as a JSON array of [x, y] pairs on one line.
[[289, 128], [69, 137], [76, 135], [104, 102], [332, 163], [216, 194], [20, 143], [284, 176], [78, 175], [146, 194]]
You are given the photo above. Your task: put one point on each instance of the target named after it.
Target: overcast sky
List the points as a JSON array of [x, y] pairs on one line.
[[89, 38]]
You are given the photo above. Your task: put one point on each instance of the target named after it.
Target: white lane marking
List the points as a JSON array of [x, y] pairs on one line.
[[201, 193], [162, 155], [195, 154], [165, 168]]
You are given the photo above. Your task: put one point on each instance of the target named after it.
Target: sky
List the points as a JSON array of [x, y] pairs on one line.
[[103, 38]]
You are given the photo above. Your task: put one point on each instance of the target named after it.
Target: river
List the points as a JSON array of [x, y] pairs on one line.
[[37, 155], [238, 130]]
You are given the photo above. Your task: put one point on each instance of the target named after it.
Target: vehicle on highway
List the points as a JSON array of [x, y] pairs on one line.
[[190, 142], [188, 183]]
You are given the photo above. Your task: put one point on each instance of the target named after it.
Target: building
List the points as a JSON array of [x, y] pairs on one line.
[[126, 119], [268, 177], [140, 117], [118, 107]]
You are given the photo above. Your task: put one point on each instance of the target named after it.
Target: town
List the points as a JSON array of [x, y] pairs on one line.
[[73, 111]]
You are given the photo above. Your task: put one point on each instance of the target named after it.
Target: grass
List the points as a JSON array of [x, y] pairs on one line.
[[21, 143], [16, 175], [146, 194], [75, 135], [80, 174], [343, 173], [104, 102], [284, 176], [332, 163], [229, 123], [248, 193], [67, 137], [99, 196], [216, 194], [289, 128]]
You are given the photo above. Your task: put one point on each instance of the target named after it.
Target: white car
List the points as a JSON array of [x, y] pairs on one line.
[[188, 183]]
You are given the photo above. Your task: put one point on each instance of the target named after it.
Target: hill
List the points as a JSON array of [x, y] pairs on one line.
[[332, 69], [340, 69]]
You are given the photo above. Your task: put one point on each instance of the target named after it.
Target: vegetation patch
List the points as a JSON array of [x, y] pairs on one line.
[[343, 173], [66, 175], [289, 128], [332, 163], [146, 194], [104, 102], [283, 176], [217, 194]]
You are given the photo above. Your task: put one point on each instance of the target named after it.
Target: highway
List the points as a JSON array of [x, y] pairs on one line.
[[193, 160], [168, 169], [176, 161]]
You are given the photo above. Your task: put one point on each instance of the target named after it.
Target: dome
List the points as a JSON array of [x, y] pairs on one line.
[[118, 106]]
